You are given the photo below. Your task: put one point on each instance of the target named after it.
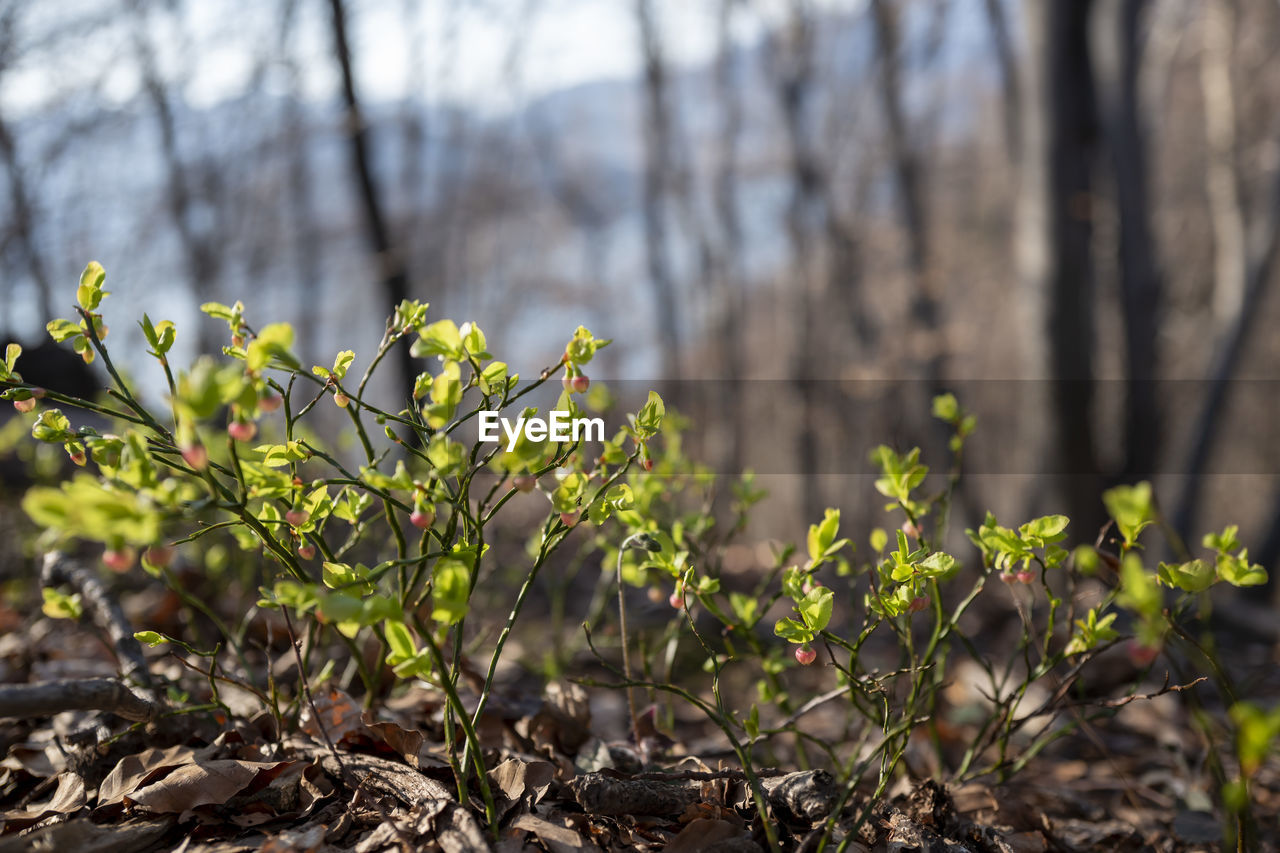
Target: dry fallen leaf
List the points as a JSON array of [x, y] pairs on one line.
[[209, 782], [340, 716], [701, 834], [558, 839], [69, 797], [515, 778], [134, 771]]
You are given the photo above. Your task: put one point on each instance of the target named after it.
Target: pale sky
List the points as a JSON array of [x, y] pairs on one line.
[[465, 48]]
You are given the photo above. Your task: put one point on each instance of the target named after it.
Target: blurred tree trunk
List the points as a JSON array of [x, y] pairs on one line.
[[729, 277], [1055, 239], [824, 256], [658, 156], [1116, 47], [388, 260], [1263, 246], [199, 248], [1008, 65], [908, 179], [297, 135], [1222, 178], [1245, 255], [22, 224]]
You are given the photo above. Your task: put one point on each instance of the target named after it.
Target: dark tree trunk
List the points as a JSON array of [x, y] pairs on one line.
[[658, 157], [1117, 50], [1061, 138], [908, 178], [390, 266]]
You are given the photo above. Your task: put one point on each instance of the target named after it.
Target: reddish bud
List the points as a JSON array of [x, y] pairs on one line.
[[676, 600], [805, 655], [647, 464], [1025, 576], [237, 340], [422, 518], [297, 517], [78, 457], [242, 430], [118, 559], [570, 519], [581, 383], [38, 393], [342, 400], [159, 556], [196, 456], [810, 584], [270, 402], [524, 482], [1009, 577], [26, 405], [911, 529], [307, 551], [920, 602]]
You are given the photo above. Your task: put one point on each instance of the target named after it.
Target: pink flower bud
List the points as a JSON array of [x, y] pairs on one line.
[[422, 518], [26, 405], [307, 551], [570, 519], [297, 517], [805, 655], [524, 482], [920, 602], [118, 559], [196, 456], [242, 430], [269, 402]]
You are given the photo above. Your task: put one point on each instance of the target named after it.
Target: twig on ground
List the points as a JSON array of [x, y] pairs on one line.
[[132, 696], [92, 694], [105, 611]]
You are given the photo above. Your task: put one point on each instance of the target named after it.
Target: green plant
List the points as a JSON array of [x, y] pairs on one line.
[[886, 627], [181, 477], [902, 609]]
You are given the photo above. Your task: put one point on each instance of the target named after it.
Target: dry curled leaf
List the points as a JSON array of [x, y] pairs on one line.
[[703, 834], [206, 783], [515, 778], [69, 797], [135, 771]]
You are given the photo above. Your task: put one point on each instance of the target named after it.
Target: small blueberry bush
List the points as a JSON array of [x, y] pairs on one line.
[[390, 550]]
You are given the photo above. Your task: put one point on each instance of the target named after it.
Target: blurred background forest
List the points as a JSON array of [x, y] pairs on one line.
[[801, 219]]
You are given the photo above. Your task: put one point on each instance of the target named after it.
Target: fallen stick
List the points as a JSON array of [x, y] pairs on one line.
[[118, 696], [89, 694], [106, 612]]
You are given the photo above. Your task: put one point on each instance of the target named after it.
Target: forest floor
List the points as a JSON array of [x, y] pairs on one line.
[[562, 775]]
